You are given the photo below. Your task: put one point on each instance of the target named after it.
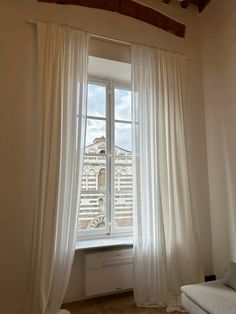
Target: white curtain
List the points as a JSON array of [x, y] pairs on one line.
[[62, 81], [166, 250]]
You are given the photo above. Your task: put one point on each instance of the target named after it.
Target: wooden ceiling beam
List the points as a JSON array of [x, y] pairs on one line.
[[132, 9], [202, 4], [185, 3]]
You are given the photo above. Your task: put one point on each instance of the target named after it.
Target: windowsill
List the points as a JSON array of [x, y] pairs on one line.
[[102, 243]]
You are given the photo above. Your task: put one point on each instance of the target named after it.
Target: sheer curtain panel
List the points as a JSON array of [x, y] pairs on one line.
[[166, 250], [62, 81]]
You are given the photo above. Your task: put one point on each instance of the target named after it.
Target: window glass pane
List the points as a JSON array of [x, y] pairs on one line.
[[103, 174], [123, 139], [96, 100], [95, 136], [123, 191], [122, 104], [92, 213]]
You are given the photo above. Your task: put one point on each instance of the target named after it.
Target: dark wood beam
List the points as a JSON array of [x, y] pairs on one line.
[[202, 4], [131, 9], [185, 3]]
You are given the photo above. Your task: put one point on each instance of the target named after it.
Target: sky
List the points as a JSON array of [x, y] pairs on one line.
[[97, 108]]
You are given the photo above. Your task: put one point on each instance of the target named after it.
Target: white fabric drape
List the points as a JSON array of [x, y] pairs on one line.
[[166, 251], [62, 80]]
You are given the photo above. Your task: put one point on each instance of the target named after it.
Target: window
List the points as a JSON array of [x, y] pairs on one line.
[[106, 206]]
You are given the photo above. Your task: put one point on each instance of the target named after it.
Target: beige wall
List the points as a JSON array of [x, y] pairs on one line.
[[219, 64], [17, 126]]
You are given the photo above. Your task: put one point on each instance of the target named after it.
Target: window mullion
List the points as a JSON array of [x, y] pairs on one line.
[[112, 188], [109, 157]]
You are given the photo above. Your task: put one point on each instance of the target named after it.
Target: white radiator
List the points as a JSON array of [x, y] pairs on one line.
[[108, 271]]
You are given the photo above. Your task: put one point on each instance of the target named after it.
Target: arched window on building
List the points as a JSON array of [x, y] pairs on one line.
[[101, 179], [91, 179]]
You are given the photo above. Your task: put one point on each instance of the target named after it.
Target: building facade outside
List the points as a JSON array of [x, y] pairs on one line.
[[94, 192]]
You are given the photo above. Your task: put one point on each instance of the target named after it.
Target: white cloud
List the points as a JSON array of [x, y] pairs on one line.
[[123, 135], [122, 105], [95, 128], [96, 100], [96, 108]]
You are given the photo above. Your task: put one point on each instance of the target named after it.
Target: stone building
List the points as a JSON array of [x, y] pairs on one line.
[[94, 195]]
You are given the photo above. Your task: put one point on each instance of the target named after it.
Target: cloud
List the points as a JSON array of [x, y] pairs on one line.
[[96, 100], [95, 128], [122, 104], [96, 108], [123, 135]]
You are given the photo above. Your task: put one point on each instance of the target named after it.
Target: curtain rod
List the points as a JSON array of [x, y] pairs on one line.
[[113, 40], [92, 35], [110, 39]]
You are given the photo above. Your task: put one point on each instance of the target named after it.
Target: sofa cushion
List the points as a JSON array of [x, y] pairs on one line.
[[214, 297], [230, 276]]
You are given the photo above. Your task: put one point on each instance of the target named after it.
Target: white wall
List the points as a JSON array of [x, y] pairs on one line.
[[17, 126], [219, 64]]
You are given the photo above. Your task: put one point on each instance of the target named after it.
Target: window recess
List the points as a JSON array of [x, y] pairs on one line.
[[106, 206]]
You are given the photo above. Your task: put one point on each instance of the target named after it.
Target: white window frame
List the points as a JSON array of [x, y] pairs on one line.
[[109, 231]]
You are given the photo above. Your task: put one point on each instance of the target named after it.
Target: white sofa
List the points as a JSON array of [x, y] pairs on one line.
[[212, 297]]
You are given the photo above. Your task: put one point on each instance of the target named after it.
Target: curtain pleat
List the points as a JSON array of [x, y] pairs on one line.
[[62, 83], [166, 250]]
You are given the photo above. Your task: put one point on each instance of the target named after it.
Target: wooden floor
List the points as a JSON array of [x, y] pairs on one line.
[[116, 304]]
